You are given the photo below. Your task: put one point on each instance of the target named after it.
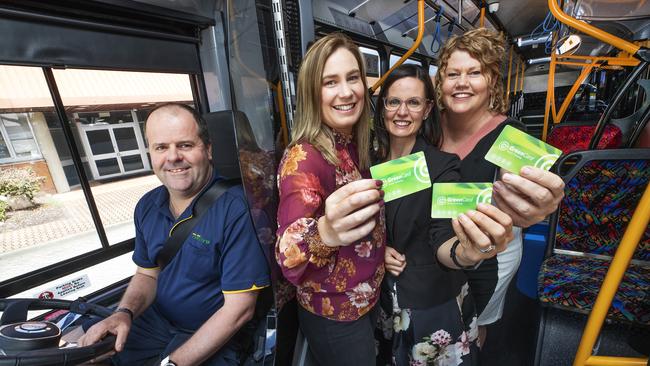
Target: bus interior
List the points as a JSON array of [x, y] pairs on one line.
[[78, 78]]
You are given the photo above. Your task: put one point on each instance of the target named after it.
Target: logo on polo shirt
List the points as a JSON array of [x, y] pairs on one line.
[[200, 239]]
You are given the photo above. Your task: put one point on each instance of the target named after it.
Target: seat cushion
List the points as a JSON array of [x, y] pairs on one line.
[[569, 138], [598, 204], [573, 282]]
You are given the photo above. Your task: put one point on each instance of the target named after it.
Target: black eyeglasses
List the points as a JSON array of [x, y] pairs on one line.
[[415, 104]]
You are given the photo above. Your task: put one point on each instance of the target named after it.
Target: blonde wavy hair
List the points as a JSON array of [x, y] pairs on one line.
[[308, 124], [488, 47]]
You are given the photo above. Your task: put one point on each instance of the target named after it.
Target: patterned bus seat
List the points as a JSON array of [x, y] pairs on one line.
[[602, 191]]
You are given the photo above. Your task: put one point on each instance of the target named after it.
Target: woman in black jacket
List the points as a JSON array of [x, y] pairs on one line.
[[424, 288]]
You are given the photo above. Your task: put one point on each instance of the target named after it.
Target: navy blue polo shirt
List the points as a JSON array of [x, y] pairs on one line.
[[221, 255]]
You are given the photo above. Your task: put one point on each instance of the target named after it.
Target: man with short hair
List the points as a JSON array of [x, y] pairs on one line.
[[187, 313]]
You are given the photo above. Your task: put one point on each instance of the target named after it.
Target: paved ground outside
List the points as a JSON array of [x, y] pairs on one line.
[[115, 202], [63, 228]]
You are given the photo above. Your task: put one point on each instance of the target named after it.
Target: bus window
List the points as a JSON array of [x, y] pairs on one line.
[[83, 282], [394, 58], [38, 208], [433, 69], [371, 57], [101, 107], [105, 111]]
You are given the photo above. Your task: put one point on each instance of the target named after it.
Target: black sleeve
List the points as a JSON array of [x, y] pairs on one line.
[[448, 170], [482, 281]]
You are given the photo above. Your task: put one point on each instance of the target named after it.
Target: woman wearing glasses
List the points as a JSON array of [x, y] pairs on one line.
[[424, 289]]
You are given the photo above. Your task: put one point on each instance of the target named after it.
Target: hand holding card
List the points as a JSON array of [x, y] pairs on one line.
[[530, 194], [514, 149], [448, 200], [402, 176]]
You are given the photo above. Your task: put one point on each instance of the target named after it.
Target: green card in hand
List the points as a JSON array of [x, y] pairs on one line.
[[514, 149], [448, 200], [402, 176]]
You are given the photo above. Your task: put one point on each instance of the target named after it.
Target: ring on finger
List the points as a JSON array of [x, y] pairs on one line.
[[487, 250]]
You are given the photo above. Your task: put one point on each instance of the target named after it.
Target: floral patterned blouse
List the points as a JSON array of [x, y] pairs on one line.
[[340, 283]]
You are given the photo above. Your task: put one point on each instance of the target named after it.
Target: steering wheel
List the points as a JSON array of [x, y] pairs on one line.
[[32, 343]]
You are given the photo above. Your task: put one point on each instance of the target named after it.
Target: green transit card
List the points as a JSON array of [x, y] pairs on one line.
[[448, 200], [402, 176], [514, 149]]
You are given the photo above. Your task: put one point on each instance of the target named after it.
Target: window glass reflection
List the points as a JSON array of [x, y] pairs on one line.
[[371, 58], [394, 58], [125, 139], [47, 220], [109, 122], [52, 222], [19, 143], [433, 70], [100, 142]]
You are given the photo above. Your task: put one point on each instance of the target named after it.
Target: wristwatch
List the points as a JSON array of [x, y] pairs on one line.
[[167, 362], [126, 311]]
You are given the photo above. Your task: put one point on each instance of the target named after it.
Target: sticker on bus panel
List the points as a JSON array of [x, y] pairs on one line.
[[64, 289], [402, 176], [448, 200], [514, 149]]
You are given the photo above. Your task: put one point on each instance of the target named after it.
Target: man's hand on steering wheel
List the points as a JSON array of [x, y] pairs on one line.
[[117, 324]]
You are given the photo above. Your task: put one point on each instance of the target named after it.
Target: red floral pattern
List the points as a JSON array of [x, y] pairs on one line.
[[574, 138], [337, 283]]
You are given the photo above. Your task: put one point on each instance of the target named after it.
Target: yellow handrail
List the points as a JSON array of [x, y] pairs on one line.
[[586, 70], [589, 29], [512, 47], [587, 63], [408, 53], [635, 229], [516, 76], [283, 113], [618, 60], [615, 361], [549, 107], [523, 71]]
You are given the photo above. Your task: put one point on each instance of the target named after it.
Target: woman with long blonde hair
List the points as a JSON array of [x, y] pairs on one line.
[[331, 235]]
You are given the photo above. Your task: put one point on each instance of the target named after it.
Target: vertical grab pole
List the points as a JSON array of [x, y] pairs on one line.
[[516, 76], [512, 47], [523, 70], [283, 113], [549, 108]]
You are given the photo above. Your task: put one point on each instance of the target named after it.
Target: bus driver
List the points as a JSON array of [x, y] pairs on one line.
[[187, 313]]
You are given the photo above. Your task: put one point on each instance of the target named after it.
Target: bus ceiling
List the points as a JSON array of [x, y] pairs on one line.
[[394, 23]]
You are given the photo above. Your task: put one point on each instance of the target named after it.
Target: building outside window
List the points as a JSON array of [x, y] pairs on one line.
[[17, 141], [105, 115]]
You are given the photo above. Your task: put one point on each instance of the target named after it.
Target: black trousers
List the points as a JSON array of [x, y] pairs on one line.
[[340, 343], [287, 330]]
